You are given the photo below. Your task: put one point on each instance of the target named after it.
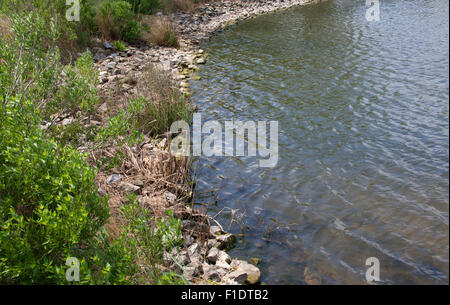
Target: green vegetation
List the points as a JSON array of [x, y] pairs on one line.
[[119, 46], [115, 20], [50, 207], [162, 33]]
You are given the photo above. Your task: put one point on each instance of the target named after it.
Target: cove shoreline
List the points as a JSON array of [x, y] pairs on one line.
[[203, 255]]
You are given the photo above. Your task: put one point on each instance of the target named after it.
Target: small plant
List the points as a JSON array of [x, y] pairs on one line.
[[119, 46]]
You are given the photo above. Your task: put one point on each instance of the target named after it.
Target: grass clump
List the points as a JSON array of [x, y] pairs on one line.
[[163, 103], [120, 46], [163, 33]]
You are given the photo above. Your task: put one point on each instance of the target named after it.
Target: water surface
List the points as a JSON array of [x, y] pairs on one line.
[[363, 141]]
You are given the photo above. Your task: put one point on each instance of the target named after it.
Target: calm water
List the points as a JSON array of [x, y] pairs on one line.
[[363, 117]]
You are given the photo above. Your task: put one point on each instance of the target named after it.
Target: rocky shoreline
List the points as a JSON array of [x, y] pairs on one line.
[[203, 256]]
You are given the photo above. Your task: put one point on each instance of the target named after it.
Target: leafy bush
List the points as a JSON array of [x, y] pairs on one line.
[[151, 242], [73, 34], [145, 6], [29, 59], [79, 89], [115, 20], [48, 203]]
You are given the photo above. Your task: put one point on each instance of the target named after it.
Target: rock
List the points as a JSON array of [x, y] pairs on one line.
[[99, 56], [194, 269], [211, 243], [113, 178], [139, 183], [183, 258], [253, 273], [188, 240], [171, 198], [223, 265], [238, 276], [201, 61], [67, 121], [225, 241], [129, 188], [215, 230], [255, 261], [110, 66], [194, 249], [210, 273], [107, 45], [223, 257], [103, 108], [213, 255]]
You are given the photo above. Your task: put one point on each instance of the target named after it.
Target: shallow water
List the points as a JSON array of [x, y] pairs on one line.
[[363, 141]]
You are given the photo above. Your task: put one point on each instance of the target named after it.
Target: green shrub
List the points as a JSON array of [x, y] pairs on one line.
[[73, 34], [48, 203], [115, 20], [145, 6], [29, 59], [151, 242], [119, 46], [79, 90]]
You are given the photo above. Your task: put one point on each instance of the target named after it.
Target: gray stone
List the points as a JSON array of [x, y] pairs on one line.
[[223, 265], [210, 273], [110, 66], [253, 273], [215, 230], [113, 178], [224, 257], [107, 45], [225, 240], [129, 188], [67, 121], [194, 249], [213, 255], [183, 258], [171, 198], [238, 276]]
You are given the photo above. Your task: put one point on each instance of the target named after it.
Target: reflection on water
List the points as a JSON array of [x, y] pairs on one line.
[[363, 145]]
